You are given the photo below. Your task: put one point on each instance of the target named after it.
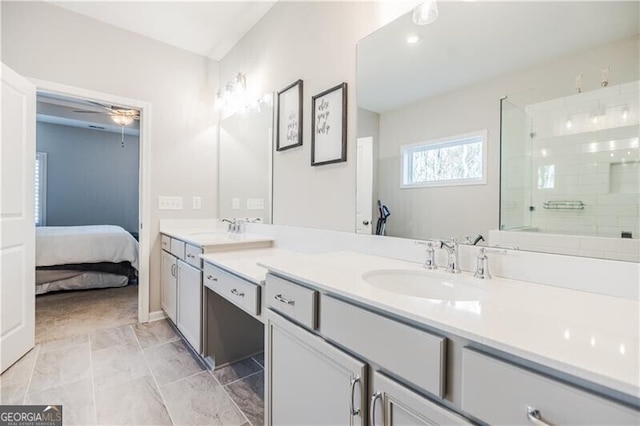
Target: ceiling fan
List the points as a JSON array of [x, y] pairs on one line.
[[119, 115]]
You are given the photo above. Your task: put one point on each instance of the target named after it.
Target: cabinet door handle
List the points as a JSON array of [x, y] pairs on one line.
[[173, 270], [237, 293], [354, 382], [535, 417], [372, 408], [279, 298], [211, 278]]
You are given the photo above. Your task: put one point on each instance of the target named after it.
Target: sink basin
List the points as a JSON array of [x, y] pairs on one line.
[[423, 284]]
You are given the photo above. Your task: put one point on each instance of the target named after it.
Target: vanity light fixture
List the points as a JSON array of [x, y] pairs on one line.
[[425, 13], [413, 39], [232, 95]]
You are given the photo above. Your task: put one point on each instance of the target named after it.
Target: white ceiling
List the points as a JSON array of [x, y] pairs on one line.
[[208, 28], [475, 41]]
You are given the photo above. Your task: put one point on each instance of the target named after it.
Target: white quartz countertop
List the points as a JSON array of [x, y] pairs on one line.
[[590, 336], [216, 239], [244, 263]]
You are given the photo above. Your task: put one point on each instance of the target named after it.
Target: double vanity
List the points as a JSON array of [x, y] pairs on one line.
[[352, 338]]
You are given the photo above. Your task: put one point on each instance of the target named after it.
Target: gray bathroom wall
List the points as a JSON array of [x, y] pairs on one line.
[[91, 178]]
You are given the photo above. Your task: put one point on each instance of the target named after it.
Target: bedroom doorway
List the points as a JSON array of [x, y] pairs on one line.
[[125, 124]]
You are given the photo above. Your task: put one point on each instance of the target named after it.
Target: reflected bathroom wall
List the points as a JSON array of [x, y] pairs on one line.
[[584, 164], [245, 163]]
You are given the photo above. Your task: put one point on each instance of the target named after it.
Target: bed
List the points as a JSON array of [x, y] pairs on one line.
[[82, 257]]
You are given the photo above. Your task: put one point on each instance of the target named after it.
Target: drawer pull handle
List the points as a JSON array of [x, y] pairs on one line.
[[190, 255], [211, 278], [237, 293], [279, 298], [354, 382], [372, 408], [535, 417]]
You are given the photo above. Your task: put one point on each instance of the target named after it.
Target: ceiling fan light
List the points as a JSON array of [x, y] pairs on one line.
[[122, 120], [426, 12]]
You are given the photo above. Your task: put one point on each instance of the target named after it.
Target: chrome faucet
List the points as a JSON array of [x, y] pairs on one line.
[[236, 226], [482, 265], [451, 247], [430, 261]]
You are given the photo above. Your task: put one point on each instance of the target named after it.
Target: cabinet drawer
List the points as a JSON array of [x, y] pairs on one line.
[[177, 248], [241, 293], [192, 256], [498, 392], [292, 300], [166, 243], [415, 355]]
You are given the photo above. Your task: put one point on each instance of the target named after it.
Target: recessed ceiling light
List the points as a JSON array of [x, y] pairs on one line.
[[412, 39]]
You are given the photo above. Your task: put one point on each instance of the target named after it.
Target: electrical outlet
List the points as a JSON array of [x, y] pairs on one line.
[[169, 203], [197, 203], [235, 203]]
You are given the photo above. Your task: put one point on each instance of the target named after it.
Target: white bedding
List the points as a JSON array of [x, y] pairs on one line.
[[63, 245]]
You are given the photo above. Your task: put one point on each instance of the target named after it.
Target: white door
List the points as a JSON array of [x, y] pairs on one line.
[[17, 217], [364, 186]]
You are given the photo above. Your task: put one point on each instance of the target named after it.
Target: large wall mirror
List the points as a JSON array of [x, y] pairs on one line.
[[434, 100], [246, 138]]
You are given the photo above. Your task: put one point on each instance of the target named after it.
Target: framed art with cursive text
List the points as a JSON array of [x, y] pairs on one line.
[[329, 126], [289, 117]]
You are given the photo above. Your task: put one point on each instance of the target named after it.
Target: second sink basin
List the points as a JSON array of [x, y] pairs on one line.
[[423, 284]]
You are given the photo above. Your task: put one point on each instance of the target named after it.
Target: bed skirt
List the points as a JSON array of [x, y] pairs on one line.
[[53, 280]]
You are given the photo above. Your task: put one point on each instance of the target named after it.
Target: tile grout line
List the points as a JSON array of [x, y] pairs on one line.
[[183, 378], [244, 377], [159, 344], [229, 396], [33, 369], [153, 376], [93, 383], [256, 361]]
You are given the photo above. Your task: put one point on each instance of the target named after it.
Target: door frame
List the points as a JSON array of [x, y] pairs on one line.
[[144, 174]]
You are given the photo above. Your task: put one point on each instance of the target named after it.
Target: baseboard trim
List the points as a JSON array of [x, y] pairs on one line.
[[156, 316]]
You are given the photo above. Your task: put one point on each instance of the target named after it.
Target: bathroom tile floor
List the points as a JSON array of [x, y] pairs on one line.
[[138, 374]]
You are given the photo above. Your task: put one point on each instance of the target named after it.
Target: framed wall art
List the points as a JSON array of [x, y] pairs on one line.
[[289, 117], [329, 126]]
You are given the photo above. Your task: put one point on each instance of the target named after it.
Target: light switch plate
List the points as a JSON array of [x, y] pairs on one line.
[[169, 203], [235, 203], [255, 204]]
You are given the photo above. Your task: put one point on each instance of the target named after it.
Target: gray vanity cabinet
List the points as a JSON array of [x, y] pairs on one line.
[[393, 404], [169, 278], [181, 282], [518, 395], [310, 381], [189, 315]]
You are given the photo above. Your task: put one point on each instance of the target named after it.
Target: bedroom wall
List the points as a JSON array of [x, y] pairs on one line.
[[92, 179], [46, 42]]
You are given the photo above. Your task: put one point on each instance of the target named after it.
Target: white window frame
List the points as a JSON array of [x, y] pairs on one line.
[[41, 190], [405, 173]]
